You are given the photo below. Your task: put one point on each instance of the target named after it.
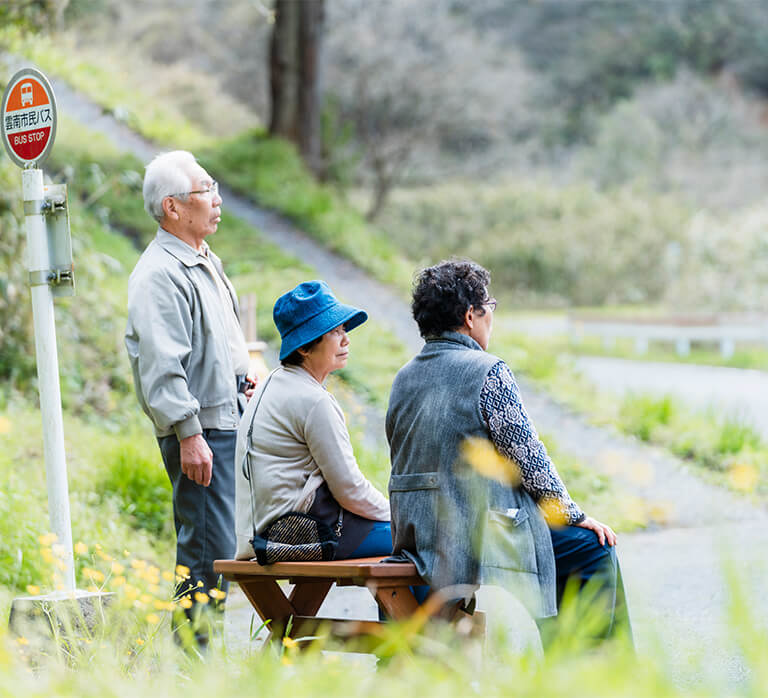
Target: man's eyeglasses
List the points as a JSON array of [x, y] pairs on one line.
[[490, 303], [212, 189]]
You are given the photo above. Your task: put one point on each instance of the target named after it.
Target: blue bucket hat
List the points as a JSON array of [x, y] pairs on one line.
[[308, 312]]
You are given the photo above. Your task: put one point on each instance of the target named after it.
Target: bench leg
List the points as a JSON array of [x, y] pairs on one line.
[[270, 603], [307, 597], [398, 603]]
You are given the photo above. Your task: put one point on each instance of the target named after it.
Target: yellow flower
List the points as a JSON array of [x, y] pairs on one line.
[[22, 640], [47, 555], [290, 643], [145, 598], [5, 425], [285, 660], [168, 576], [138, 564], [81, 548], [201, 597], [185, 602], [153, 618], [199, 582], [104, 556], [554, 512], [482, 455], [139, 641], [117, 568], [94, 575], [47, 539], [33, 590], [131, 591], [743, 476], [118, 581], [217, 594], [93, 587], [182, 571]]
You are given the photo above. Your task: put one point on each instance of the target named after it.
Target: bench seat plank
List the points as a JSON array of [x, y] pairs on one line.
[[370, 568]]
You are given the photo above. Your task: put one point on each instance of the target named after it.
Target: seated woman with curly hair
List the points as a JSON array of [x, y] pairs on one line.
[[454, 404]]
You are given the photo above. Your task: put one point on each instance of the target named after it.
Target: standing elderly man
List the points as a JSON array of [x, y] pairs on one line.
[[189, 360]]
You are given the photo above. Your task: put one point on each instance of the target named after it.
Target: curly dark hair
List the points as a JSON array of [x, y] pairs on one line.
[[444, 292]]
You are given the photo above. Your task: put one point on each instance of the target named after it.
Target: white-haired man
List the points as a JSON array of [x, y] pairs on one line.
[[189, 360]]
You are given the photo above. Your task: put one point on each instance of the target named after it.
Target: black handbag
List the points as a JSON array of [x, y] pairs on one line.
[[295, 536]]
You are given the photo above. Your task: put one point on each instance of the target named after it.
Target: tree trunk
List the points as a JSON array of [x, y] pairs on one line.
[[283, 70], [310, 43]]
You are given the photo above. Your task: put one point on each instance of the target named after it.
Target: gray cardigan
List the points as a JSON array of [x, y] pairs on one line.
[[456, 526], [299, 440]]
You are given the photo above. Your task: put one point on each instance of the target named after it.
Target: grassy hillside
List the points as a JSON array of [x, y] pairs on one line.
[[269, 171]]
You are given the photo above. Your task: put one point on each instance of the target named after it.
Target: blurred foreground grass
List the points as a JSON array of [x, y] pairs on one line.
[[133, 653]]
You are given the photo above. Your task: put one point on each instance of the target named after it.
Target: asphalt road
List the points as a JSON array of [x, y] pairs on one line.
[[734, 391]]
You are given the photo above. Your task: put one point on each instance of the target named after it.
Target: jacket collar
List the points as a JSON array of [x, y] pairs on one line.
[[455, 338], [185, 253]]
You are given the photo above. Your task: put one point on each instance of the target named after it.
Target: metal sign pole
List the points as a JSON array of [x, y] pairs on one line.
[[48, 369]]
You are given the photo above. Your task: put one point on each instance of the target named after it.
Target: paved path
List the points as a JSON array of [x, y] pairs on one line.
[[739, 392], [676, 592]]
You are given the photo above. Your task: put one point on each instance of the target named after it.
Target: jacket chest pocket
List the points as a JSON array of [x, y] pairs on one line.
[[508, 541]]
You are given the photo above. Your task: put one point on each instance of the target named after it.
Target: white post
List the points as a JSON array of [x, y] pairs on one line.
[[48, 371]]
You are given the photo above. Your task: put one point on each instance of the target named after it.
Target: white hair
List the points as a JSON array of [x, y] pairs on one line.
[[167, 174]]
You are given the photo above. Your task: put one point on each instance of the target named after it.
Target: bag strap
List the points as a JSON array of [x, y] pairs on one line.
[[246, 464]]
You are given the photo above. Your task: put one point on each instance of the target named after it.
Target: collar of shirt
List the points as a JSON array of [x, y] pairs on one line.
[[185, 253]]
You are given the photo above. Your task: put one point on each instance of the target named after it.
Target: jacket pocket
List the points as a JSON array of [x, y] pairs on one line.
[[413, 500], [508, 541]]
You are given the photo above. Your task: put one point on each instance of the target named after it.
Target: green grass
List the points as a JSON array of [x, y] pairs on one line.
[[126, 97], [96, 450], [270, 172]]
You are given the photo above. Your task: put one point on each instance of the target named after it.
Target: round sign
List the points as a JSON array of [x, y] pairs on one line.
[[28, 118]]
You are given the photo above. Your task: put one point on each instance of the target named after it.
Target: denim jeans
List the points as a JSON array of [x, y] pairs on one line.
[[579, 556], [377, 542]]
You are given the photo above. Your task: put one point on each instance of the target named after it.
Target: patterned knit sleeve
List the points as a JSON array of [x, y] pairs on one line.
[[514, 436]]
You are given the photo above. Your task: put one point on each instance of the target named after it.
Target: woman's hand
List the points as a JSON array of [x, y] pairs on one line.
[[604, 533]]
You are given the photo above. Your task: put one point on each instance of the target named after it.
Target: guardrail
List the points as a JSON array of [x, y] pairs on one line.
[[725, 330]]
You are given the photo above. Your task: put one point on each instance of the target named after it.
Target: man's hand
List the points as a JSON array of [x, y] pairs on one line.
[[251, 389], [196, 459], [604, 533]]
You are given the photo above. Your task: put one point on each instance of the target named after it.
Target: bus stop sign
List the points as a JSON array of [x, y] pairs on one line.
[[28, 116]]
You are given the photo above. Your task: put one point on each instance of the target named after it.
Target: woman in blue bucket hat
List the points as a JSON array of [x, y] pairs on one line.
[[300, 492]]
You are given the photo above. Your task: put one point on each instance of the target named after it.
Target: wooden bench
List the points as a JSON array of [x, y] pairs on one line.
[[389, 583]]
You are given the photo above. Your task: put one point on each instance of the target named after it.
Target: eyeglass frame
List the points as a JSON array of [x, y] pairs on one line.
[[214, 187], [492, 302]]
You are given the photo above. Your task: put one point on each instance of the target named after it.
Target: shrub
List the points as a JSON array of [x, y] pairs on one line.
[[137, 479], [642, 415]]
